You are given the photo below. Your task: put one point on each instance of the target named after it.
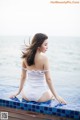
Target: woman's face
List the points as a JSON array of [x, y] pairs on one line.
[[44, 46]]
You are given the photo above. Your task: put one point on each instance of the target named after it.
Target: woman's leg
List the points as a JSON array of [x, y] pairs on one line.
[[46, 96], [23, 96]]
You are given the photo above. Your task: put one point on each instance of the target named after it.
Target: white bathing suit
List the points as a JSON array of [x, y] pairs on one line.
[[35, 84]]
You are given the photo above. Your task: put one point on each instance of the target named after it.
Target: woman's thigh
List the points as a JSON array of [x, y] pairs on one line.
[[46, 96]]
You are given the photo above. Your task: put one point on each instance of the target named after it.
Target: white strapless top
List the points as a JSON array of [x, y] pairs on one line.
[[36, 77], [35, 84]]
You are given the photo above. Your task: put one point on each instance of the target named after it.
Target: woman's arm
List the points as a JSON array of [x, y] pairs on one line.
[[50, 83], [22, 80], [23, 76]]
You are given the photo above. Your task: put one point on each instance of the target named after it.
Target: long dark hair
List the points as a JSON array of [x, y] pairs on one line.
[[30, 51]]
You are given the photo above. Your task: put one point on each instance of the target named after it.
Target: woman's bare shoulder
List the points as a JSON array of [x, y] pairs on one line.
[[44, 56], [24, 63], [45, 62]]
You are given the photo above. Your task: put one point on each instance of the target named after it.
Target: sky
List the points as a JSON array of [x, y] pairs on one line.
[[27, 17]]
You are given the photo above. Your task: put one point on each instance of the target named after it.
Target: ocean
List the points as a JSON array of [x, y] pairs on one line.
[[64, 58]]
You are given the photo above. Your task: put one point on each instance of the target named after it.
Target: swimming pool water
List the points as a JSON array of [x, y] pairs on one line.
[[64, 57]]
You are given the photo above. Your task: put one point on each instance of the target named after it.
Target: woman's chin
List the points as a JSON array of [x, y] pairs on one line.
[[43, 51]]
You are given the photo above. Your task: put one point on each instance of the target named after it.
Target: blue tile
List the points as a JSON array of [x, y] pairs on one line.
[[0, 100], [14, 106], [49, 112], [33, 110], [7, 105], [33, 106], [11, 106], [14, 103], [50, 109], [53, 113], [18, 104], [22, 108], [71, 116], [41, 107], [63, 111], [54, 110], [59, 110], [25, 105], [7, 102], [72, 112], [4, 101], [59, 114], [29, 106], [76, 113], [67, 116], [29, 109], [21, 105], [76, 117], [11, 103], [45, 108], [3, 105], [63, 115], [37, 107], [69, 111], [41, 111]]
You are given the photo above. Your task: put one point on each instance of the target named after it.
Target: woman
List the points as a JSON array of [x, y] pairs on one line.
[[36, 83]]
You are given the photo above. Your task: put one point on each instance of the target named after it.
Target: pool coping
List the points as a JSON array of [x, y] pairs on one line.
[[54, 108]]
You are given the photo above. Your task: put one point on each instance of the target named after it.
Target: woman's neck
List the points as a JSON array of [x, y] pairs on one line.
[[38, 52]]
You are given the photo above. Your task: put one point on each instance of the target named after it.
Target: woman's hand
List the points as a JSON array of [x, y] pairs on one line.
[[61, 100], [14, 95]]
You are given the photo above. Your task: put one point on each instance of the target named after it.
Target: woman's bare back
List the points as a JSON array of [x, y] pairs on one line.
[[39, 62]]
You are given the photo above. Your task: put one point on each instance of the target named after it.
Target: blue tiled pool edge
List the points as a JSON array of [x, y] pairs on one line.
[[55, 109]]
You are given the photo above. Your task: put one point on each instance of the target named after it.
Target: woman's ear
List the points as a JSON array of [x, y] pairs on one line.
[[39, 48]]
